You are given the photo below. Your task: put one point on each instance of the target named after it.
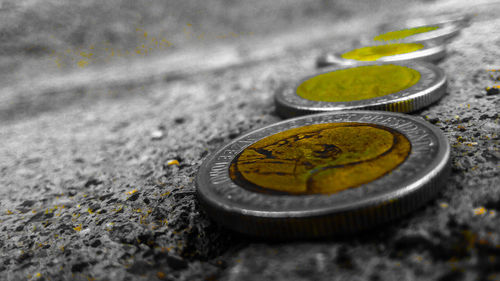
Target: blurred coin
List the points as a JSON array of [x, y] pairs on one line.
[[437, 31], [400, 87], [394, 52], [324, 174], [458, 20]]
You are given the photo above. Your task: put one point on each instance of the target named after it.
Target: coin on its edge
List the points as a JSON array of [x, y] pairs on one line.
[[324, 174], [426, 86], [429, 51]]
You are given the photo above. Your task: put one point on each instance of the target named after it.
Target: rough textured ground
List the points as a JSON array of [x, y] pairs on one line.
[[86, 191]]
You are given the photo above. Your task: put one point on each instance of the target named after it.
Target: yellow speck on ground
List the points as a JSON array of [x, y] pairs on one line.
[[38, 275], [86, 55], [82, 63], [132, 192], [479, 211], [78, 228], [160, 275], [9, 212], [173, 162], [444, 205]]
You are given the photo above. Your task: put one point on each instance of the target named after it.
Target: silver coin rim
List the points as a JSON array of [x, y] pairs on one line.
[[432, 81], [225, 203]]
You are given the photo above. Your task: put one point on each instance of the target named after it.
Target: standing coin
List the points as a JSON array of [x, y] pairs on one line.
[[324, 174], [400, 87], [394, 52]]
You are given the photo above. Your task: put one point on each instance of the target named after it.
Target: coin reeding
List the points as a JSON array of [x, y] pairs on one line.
[[341, 223], [414, 102]]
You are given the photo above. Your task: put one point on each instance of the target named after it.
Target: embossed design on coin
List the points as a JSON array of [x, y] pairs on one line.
[[324, 174], [320, 159], [400, 87]]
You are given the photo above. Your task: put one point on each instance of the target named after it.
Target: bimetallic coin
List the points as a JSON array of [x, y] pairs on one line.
[[394, 52], [438, 31], [399, 87], [460, 21], [324, 174]]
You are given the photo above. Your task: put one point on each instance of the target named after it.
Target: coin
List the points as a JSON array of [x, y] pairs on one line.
[[400, 87], [394, 52], [324, 174], [433, 31], [460, 21]]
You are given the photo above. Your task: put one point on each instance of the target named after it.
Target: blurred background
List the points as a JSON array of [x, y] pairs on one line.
[[65, 28], [66, 46]]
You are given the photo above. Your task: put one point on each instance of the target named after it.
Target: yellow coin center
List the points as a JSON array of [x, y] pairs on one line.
[[358, 83], [400, 34], [373, 53], [320, 158]]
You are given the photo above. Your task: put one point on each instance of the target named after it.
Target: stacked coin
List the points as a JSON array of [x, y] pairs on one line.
[[341, 170]]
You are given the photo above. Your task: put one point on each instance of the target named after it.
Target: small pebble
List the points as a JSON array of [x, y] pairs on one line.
[[173, 162], [157, 135]]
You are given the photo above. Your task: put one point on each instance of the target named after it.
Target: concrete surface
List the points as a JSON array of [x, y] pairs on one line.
[[86, 192]]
